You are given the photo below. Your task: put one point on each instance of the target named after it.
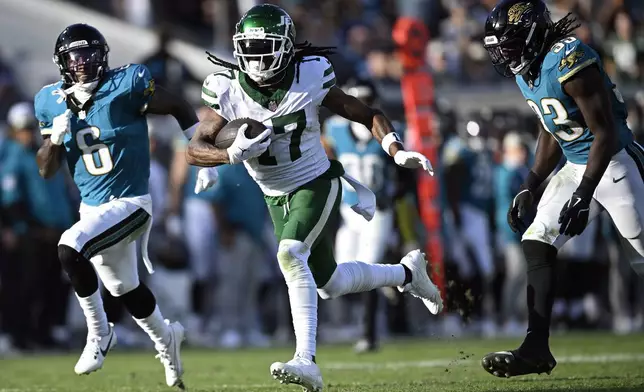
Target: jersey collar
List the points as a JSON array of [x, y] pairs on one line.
[[269, 98]]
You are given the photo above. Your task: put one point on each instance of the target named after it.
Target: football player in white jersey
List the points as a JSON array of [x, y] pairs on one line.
[[283, 85]]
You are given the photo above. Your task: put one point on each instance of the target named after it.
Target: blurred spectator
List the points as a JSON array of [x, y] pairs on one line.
[[167, 70], [509, 177], [241, 216]]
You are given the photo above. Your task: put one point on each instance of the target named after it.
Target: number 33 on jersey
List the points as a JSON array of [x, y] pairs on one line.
[[295, 156], [558, 112], [107, 151]]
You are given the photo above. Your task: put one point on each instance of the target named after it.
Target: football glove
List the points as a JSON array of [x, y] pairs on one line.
[[519, 209], [413, 160], [206, 178], [60, 127], [574, 215], [243, 148]]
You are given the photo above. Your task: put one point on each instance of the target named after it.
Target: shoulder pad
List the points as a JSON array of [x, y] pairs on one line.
[[318, 73], [569, 56], [215, 86]]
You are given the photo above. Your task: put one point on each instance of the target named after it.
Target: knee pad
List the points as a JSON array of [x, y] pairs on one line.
[[140, 301], [79, 270], [292, 256]]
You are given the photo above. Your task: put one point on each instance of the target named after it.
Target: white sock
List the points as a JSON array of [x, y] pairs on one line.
[[356, 277], [155, 326], [304, 309], [94, 314]]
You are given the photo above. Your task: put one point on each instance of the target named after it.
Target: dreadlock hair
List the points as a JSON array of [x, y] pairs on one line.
[[302, 50], [564, 27]]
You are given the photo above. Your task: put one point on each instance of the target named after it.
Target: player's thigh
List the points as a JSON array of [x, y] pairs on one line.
[[117, 267], [621, 193], [545, 227], [200, 231], [309, 211], [102, 227], [374, 238]]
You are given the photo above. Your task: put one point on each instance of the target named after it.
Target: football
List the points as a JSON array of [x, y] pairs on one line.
[[228, 133]]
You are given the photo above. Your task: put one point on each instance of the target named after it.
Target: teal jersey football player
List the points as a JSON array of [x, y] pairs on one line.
[[107, 147], [94, 118], [584, 120]]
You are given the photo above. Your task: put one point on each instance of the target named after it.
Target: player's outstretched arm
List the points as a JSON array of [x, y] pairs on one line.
[[201, 149], [352, 109], [589, 91], [49, 158], [163, 102]]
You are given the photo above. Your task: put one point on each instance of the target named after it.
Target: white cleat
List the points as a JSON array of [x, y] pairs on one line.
[[421, 285], [95, 351], [299, 371], [170, 355]]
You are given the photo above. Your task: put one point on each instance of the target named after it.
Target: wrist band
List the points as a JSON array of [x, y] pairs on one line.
[[191, 131], [390, 139]]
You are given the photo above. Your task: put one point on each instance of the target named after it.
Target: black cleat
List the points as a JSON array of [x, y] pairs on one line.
[[511, 363]]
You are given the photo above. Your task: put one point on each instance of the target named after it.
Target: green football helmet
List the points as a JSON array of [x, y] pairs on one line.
[[264, 42]]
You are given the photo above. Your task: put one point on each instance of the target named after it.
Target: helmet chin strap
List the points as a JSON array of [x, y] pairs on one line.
[[82, 91]]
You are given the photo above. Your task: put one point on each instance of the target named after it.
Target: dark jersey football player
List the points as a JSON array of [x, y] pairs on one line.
[[584, 118]]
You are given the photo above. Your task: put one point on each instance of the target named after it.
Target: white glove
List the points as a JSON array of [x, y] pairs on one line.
[[413, 160], [206, 178], [60, 127], [244, 148]]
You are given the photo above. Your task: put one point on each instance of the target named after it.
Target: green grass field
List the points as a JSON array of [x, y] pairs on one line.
[[592, 362]]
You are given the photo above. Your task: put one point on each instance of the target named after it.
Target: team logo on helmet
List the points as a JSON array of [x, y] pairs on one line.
[[570, 60], [516, 12]]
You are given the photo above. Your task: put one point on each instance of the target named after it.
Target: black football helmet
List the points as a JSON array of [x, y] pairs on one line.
[[516, 33], [81, 54]]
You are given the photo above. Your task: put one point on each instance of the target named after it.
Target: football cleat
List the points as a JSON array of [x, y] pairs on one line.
[[299, 371], [170, 355], [421, 286], [511, 363], [95, 351]]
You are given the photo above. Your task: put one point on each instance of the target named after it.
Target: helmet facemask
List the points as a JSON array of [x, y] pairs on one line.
[[82, 65], [521, 43], [262, 56]]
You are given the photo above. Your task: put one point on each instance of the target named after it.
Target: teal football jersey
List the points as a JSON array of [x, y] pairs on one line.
[[366, 162], [108, 151], [558, 112]]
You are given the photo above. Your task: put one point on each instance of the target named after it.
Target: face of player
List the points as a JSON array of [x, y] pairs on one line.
[[84, 64], [262, 58]]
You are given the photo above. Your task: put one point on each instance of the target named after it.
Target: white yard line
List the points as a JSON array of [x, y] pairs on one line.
[[600, 358]]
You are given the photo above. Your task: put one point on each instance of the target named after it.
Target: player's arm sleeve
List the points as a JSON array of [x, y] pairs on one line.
[[323, 71], [573, 59], [143, 87], [214, 92], [45, 121]]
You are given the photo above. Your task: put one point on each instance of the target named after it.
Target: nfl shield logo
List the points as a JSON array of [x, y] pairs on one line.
[[272, 106]]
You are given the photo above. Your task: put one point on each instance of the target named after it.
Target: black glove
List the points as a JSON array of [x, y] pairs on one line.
[[574, 215], [519, 209]]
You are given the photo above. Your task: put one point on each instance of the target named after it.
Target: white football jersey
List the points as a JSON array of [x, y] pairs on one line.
[[296, 155]]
